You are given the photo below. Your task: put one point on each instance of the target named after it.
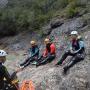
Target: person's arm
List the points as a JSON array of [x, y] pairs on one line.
[[36, 52], [81, 44], [6, 74], [8, 77], [45, 53]]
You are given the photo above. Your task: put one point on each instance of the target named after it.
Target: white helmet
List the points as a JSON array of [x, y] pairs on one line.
[[2, 53], [74, 33]]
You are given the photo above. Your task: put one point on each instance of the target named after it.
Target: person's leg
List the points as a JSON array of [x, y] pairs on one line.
[[29, 61], [74, 60], [25, 62], [67, 53], [47, 59], [52, 57], [40, 59]]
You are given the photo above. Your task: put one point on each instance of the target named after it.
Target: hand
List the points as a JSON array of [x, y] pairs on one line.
[[72, 51]]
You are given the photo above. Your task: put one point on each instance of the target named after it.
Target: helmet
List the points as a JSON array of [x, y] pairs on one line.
[[2, 53], [46, 40], [74, 33], [33, 42]]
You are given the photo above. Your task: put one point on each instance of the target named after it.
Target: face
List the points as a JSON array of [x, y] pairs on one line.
[[73, 36], [2, 59], [32, 45], [47, 42]]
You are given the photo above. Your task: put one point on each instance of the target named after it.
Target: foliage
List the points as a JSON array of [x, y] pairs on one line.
[[73, 8], [21, 15]]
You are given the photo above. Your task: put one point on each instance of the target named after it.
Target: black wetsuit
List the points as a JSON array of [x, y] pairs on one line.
[[78, 55], [3, 74]]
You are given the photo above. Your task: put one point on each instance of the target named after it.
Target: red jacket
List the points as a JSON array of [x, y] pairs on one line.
[[52, 50]]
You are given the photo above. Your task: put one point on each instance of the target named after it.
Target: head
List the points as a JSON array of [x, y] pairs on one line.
[[33, 43], [74, 35], [3, 55], [47, 41]]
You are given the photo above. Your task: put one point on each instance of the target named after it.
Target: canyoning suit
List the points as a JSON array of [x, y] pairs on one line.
[[33, 56], [48, 55], [4, 75], [77, 52]]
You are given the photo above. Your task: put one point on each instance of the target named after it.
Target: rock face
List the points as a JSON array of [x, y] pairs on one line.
[[65, 26], [49, 77], [56, 23], [77, 77]]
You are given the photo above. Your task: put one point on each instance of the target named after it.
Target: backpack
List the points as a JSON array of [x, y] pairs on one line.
[[27, 85]]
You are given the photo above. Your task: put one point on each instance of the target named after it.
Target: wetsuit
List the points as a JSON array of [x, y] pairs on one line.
[[33, 56], [48, 55], [77, 53], [4, 74]]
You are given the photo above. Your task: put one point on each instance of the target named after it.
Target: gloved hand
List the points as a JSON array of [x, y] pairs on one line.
[[15, 81]]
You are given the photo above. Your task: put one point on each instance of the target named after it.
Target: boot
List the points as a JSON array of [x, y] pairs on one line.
[[65, 69]]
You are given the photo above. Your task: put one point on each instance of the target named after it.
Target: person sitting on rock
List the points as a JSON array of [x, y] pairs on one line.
[[4, 74], [33, 55], [77, 51], [49, 53]]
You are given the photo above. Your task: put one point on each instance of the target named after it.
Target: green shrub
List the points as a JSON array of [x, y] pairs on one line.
[[21, 15], [73, 8], [71, 12]]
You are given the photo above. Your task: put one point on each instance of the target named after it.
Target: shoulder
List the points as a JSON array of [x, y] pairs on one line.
[[79, 38]]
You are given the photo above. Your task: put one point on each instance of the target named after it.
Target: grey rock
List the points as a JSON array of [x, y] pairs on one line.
[[46, 30], [56, 23]]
